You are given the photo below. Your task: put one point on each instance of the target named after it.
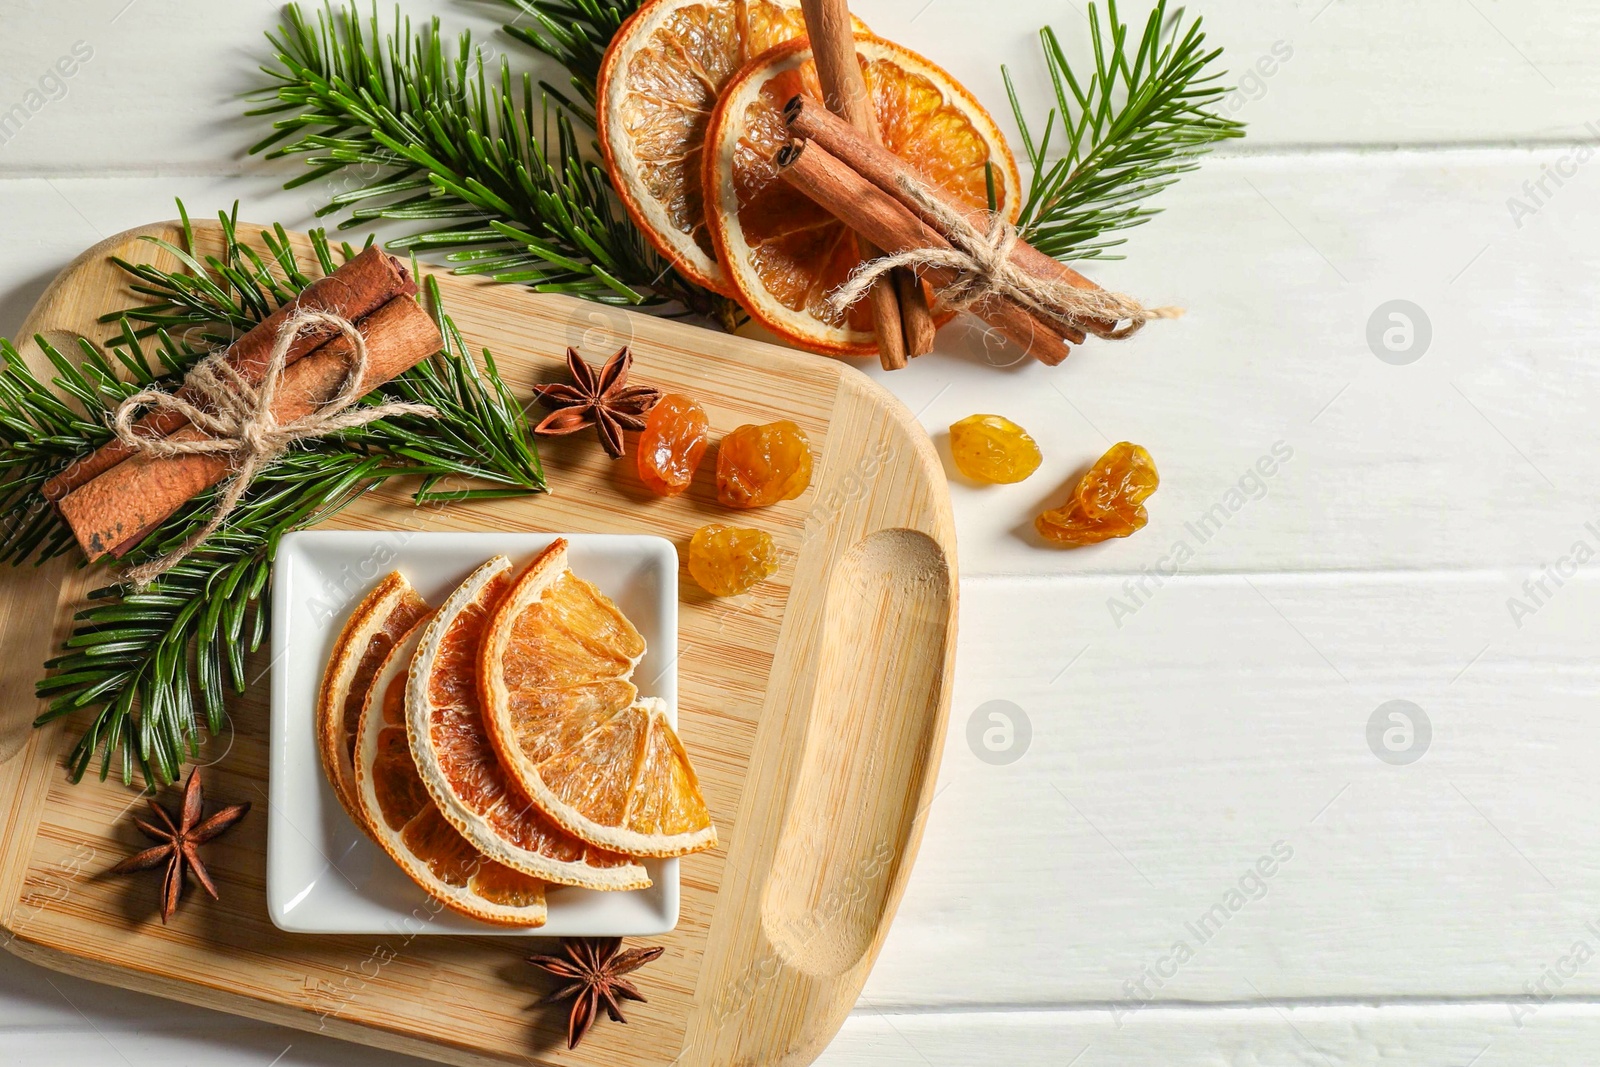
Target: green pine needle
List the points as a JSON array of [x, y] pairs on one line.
[[155, 666], [1142, 117], [575, 34], [419, 129], [414, 129]]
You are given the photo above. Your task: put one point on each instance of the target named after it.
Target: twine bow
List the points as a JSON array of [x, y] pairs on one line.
[[984, 269], [238, 418]]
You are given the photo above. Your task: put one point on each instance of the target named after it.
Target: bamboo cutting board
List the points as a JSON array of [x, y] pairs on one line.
[[813, 708]]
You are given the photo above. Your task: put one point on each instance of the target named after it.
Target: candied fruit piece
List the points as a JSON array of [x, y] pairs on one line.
[[1108, 501], [761, 465], [672, 444], [993, 449], [728, 560]]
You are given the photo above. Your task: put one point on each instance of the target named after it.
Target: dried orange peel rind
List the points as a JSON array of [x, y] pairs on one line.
[[384, 616], [404, 820], [459, 766], [563, 714]]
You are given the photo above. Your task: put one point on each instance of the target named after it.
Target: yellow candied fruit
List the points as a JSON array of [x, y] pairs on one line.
[[1108, 501], [729, 560], [670, 447], [761, 465], [993, 449]]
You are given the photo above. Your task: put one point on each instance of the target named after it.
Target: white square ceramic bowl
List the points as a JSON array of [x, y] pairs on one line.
[[323, 874]]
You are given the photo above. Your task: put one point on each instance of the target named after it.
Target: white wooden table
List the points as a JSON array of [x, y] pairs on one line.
[[1198, 767]]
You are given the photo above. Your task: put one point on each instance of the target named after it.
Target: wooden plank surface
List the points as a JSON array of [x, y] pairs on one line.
[[1425, 1035], [1398, 486], [860, 615], [1459, 442], [1322, 72]]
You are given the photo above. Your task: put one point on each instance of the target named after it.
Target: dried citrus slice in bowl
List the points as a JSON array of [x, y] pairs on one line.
[[784, 255], [562, 712], [382, 618], [405, 821], [657, 87], [459, 767]]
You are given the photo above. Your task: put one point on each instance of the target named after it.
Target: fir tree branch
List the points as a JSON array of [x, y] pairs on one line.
[[575, 34], [1140, 119], [421, 130], [155, 665]]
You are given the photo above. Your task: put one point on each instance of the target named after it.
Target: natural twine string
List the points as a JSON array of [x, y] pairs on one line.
[[982, 262], [238, 417]]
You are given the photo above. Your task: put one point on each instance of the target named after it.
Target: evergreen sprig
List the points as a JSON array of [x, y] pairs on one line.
[[154, 665], [420, 130], [1139, 120], [575, 34]]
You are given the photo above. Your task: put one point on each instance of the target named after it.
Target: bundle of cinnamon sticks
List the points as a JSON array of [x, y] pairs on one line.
[[901, 316], [115, 496], [866, 186]]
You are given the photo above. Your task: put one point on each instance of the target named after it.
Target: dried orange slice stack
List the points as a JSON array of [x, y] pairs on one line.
[[689, 106], [657, 86], [784, 255], [381, 619], [563, 714], [459, 767], [403, 819], [454, 796]]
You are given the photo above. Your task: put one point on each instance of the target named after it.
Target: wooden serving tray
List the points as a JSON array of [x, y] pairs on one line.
[[813, 707]]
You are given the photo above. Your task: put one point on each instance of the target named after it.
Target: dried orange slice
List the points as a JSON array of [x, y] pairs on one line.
[[562, 712], [382, 617], [458, 765], [657, 86], [782, 253], [405, 821]]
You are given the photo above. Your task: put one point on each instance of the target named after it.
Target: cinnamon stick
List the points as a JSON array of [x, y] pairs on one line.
[[113, 512], [833, 50], [886, 222], [884, 169], [916, 317], [366, 282]]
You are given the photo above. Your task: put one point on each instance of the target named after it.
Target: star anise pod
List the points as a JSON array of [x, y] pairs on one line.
[[181, 839], [593, 969], [603, 399]]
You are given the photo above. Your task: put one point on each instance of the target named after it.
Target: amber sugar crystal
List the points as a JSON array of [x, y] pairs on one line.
[[993, 449], [1107, 502], [729, 560], [672, 444], [761, 465]]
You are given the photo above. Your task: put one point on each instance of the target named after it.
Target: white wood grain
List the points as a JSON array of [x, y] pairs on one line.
[[1424, 903], [1312, 72], [1227, 714], [76, 1023], [1475, 455], [1303, 1036]]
